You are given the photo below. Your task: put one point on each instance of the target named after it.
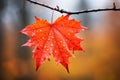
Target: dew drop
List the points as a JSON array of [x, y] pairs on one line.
[[40, 30], [45, 46], [33, 34], [60, 41], [49, 39], [52, 37], [51, 44], [47, 49], [55, 51], [63, 45], [43, 37]]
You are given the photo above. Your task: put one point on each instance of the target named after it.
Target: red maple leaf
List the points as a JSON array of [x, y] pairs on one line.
[[58, 39]]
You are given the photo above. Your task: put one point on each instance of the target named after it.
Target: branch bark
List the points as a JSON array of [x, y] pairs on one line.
[[78, 12]]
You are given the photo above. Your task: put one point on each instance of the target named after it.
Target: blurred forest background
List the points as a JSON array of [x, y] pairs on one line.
[[100, 61]]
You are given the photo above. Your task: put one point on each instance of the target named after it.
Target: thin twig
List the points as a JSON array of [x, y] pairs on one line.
[[78, 12]]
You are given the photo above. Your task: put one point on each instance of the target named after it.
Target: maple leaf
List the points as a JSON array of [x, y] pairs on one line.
[[57, 38]]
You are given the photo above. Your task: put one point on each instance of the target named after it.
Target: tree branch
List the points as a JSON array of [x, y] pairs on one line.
[[78, 12]]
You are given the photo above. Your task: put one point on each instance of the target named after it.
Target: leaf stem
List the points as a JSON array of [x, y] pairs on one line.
[[52, 17]]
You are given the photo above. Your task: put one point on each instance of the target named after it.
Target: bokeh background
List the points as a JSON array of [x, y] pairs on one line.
[[100, 61]]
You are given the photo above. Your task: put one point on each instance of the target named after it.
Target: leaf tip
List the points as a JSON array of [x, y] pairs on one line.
[[67, 69], [66, 66], [19, 32], [36, 18], [84, 28], [37, 67]]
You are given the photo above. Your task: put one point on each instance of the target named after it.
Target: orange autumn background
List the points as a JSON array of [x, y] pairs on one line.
[[100, 61]]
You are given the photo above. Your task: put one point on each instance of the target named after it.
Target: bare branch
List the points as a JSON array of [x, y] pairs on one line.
[[78, 12]]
